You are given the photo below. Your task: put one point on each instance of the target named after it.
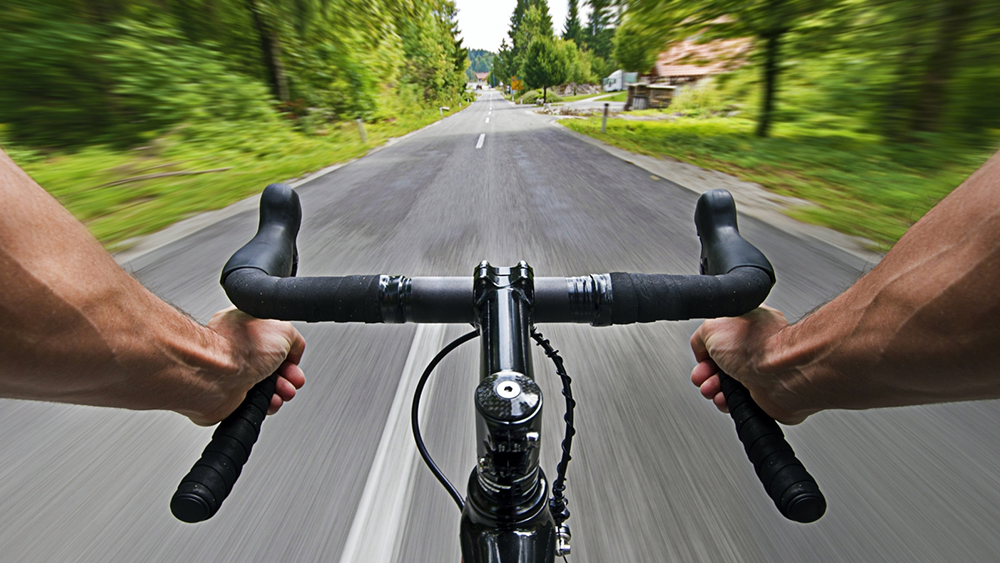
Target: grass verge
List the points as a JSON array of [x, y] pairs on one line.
[[118, 213], [580, 97], [861, 184]]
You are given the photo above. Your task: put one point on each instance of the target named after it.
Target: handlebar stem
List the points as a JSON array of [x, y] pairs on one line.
[[507, 504]]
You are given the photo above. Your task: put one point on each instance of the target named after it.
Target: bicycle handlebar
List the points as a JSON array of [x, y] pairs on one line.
[[259, 280], [793, 490], [255, 281]]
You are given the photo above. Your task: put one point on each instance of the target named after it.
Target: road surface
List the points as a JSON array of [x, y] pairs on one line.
[[657, 473]]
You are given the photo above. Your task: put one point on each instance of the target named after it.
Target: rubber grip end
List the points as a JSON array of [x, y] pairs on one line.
[[190, 505], [805, 506]]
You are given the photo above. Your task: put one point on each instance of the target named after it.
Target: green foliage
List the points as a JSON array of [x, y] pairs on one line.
[[436, 66], [704, 98], [898, 69], [254, 157], [530, 19], [159, 82], [635, 47], [125, 71], [600, 28], [601, 67], [545, 63], [578, 69], [573, 30], [479, 61], [535, 96]]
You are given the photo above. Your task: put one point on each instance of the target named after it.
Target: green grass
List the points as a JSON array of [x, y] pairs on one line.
[[581, 97], [619, 97], [861, 185], [116, 214]]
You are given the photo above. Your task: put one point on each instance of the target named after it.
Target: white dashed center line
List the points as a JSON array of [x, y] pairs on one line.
[[487, 120], [482, 136]]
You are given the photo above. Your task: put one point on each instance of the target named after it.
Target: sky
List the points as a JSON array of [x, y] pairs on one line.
[[484, 23]]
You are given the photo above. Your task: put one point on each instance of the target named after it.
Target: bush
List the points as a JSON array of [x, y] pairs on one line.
[[535, 96], [121, 84], [163, 82], [701, 99]]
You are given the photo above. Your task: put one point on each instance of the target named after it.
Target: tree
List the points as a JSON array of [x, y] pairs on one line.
[[600, 28], [767, 21], [573, 30], [270, 49], [121, 71], [503, 65], [577, 64], [536, 23], [635, 48], [545, 64]]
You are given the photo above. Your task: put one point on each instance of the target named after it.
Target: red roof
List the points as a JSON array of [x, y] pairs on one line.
[[689, 58]]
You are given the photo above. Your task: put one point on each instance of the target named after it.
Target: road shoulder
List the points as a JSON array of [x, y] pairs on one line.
[[751, 199], [154, 241]]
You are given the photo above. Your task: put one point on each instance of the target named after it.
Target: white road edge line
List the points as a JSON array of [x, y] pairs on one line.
[[482, 136], [383, 510]]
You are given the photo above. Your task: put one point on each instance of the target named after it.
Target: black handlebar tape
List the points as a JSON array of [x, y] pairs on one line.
[[793, 490], [210, 481], [339, 299], [644, 298], [722, 247], [272, 249]]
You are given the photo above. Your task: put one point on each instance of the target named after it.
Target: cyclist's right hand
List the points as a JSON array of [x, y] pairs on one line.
[[256, 348], [745, 348]]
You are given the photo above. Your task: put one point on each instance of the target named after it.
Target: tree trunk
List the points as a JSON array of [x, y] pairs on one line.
[[771, 51], [270, 48], [545, 97], [941, 65], [902, 99]]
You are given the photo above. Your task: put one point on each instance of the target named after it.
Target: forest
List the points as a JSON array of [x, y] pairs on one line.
[[118, 71], [870, 110], [480, 60], [136, 113]]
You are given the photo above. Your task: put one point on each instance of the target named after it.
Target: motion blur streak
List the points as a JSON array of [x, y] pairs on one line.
[[657, 474]]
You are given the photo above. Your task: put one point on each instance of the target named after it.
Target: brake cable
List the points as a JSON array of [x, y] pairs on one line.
[[558, 502], [415, 419]]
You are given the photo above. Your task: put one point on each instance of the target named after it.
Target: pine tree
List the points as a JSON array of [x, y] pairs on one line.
[[573, 31]]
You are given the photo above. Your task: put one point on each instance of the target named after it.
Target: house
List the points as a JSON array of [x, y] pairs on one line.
[[619, 80], [688, 60], [481, 77], [649, 96]]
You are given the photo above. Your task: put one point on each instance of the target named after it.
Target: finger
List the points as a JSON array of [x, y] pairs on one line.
[[720, 402], [284, 389], [698, 343], [703, 371], [276, 403], [298, 345], [711, 387], [293, 373]]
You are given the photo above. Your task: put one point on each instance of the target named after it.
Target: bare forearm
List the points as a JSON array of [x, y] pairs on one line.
[[75, 327], [922, 327]]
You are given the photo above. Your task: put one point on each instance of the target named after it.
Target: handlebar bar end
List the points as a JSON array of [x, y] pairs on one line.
[[190, 506], [806, 506]]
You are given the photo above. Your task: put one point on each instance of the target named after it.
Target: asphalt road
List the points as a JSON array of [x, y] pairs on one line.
[[657, 474]]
